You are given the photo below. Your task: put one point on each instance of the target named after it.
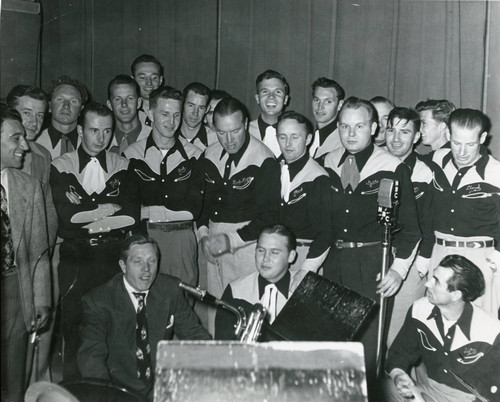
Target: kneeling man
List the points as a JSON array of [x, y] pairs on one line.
[[272, 284], [125, 318]]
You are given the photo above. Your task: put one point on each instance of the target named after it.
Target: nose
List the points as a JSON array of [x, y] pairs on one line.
[[321, 105], [288, 141], [148, 81], [462, 150], [196, 111], [124, 103], [229, 137], [100, 136], [267, 256], [23, 144], [428, 284], [397, 137], [66, 104]]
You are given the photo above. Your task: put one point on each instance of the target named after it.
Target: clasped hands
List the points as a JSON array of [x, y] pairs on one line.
[[215, 245]]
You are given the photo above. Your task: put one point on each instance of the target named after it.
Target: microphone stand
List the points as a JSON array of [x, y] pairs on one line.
[[386, 216]]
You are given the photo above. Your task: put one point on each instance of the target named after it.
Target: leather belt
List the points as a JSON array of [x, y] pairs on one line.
[[171, 227], [99, 240], [466, 244], [352, 244]]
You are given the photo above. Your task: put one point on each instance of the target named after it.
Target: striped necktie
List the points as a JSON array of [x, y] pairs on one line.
[[8, 261]]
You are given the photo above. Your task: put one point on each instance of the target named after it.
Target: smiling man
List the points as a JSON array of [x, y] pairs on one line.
[[125, 318], [96, 210], [272, 284], [272, 97], [456, 340], [466, 203]]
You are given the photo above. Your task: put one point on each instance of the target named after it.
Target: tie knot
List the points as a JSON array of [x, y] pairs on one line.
[[139, 296], [351, 159]]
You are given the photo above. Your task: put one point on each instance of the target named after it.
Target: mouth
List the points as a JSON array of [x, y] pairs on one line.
[[19, 155]]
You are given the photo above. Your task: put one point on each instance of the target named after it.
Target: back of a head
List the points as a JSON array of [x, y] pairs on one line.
[[381, 99], [8, 112], [467, 277], [470, 119], [441, 108], [219, 94]]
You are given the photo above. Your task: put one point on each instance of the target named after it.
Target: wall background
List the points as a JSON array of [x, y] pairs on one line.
[[407, 50]]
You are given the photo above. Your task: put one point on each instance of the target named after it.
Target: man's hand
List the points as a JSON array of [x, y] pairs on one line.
[[41, 316], [205, 247], [422, 265], [73, 197], [219, 244], [390, 284], [403, 383]]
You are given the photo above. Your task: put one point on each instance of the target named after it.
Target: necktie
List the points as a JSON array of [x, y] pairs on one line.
[[314, 145], [271, 141], [93, 177], [143, 350], [270, 300], [285, 182], [8, 261], [66, 145], [350, 173]]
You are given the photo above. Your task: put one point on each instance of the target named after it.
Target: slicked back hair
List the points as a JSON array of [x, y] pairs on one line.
[[471, 119], [122, 79], [146, 58], [165, 92], [291, 240], [355, 103], [25, 90], [135, 240], [268, 74], [324, 82], [299, 118], [467, 277], [403, 113], [441, 108]]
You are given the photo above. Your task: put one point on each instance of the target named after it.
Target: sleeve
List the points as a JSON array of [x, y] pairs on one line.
[[224, 319], [208, 194], [93, 351], [267, 198], [129, 199], [405, 350], [424, 207], [193, 201]]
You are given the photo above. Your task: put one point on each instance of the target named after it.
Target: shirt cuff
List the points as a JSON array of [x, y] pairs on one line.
[[395, 372], [157, 213], [201, 232], [235, 241], [401, 266]]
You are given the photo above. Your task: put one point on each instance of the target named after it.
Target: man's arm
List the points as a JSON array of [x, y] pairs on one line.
[[93, 351]]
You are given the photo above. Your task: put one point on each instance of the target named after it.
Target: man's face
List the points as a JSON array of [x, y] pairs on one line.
[[209, 116], [231, 131], [194, 109], [148, 77], [292, 139], [124, 102], [466, 145], [32, 112], [400, 137], [431, 130], [141, 266], [14, 145], [271, 96], [325, 105], [272, 256], [437, 287], [66, 105], [355, 129], [166, 117], [96, 133], [383, 110]]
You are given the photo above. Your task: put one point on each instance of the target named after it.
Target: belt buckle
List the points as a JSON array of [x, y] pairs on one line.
[[338, 243], [476, 244], [359, 244], [94, 241]]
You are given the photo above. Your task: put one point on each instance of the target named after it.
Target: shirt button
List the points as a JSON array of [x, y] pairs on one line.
[[166, 196], [446, 353], [216, 213], [453, 192], [345, 230], [448, 337], [452, 229], [446, 371], [225, 183], [350, 192], [282, 204], [93, 199], [220, 198], [452, 210], [163, 163], [346, 211], [163, 180]]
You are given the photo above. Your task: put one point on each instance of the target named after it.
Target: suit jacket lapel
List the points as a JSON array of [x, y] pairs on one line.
[[126, 312], [19, 194], [158, 308]]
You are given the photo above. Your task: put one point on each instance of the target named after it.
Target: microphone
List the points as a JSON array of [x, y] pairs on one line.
[[199, 293], [388, 200]]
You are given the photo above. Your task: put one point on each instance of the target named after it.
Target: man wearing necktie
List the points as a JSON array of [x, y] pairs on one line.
[[328, 97], [67, 99], [272, 284], [355, 259], [241, 197], [25, 272], [305, 206], [272, 98], [96, 211], [125, 318]]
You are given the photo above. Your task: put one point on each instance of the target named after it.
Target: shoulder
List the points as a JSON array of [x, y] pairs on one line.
[[332, 158], [421, 172], [213, 151], [40, 150], [421, 309], [315, 168], [258, 150], [191, 150], [244, 281], [386, 160], [253, 127], [66, 162], [296, 278], [116, 162], [105, 291], [166, 285], [136, 149], [19, 178], [483, 325]]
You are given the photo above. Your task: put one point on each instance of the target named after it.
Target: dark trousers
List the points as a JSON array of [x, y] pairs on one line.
[[82, 268], [14, 341], [357, 269]]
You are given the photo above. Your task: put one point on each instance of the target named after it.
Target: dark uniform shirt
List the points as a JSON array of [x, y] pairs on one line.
[[241, 187]]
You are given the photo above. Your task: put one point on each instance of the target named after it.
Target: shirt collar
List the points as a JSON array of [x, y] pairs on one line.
[[55, 136], [464, 321], [84, 158], [150, 142], [411, 160], [361, 157], [480, 164], [325, 131], [263, 125], [201, 135], [238, 155], [296, 166], [283, 285], [130, 290]]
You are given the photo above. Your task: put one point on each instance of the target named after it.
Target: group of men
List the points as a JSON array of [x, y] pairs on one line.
[[198, 192]]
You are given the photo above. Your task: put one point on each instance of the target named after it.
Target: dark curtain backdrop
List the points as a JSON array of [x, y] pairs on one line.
[[407, 50]]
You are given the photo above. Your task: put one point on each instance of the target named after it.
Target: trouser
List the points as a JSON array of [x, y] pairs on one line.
[[14, 340], [82, 268], [357, 269], [302, 250]]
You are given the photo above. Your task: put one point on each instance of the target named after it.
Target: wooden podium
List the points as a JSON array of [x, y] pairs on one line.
[[220, 371]]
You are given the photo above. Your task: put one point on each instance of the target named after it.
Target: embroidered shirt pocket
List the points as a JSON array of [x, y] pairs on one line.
[[425, 342], [143, 175]]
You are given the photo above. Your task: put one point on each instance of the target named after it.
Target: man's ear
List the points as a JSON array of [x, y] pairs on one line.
[[417, 137], [291, 256], [286, 101], [339, 106], [257, 99], [108, 104], [139, 103], [457, 295], [150, 114], [79, 129], [374, 128], [122, 265], [482, 137], [309, 139], [161, 80]]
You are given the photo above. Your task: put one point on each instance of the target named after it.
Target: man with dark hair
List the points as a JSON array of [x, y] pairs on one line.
[[124, 100], [383, 107], [466, 201], [327, 100], [271, 285], [272, 97], [196, 103], [434, 117], [402, 133], [217, 96], [96, 210], [67, 99], [458, 342], [356, 172], [25, 276], [241, 197], [125, 318], [167, 179], [147, 71], [305, 193]]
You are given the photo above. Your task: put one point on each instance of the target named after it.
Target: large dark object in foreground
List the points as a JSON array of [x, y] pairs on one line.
[[191, 371], [322, 310]]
